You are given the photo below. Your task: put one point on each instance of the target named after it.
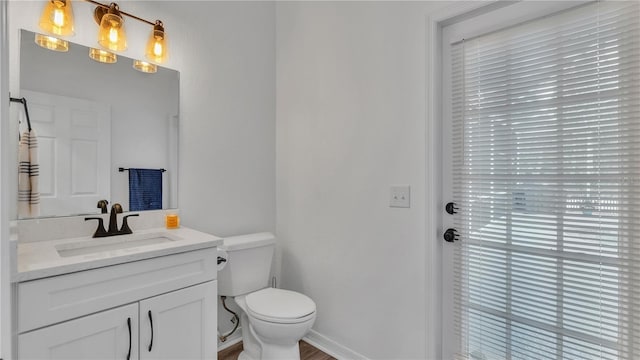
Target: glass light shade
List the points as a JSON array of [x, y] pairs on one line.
[[51, 43], [156, 50], [111, 34], [144, 66], [57, 18], [102, 56]]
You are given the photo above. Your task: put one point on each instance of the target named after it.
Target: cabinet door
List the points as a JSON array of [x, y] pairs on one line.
[[180, 325], [111, 334]]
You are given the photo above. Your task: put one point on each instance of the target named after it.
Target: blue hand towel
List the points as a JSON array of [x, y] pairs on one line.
[[145, 189]]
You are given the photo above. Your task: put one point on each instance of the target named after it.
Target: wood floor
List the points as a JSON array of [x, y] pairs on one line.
[[307, 352]]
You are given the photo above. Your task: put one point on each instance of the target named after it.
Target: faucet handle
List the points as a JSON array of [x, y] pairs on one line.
[[100, 231], [102, 205], [125, 225]]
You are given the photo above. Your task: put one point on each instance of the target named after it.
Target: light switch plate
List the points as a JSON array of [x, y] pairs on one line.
[[400, 196]]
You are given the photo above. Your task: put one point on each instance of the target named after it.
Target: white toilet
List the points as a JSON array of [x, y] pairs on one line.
[[273, 320]]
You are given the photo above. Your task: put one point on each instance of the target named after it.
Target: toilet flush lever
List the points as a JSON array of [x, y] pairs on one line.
[[221, 260]]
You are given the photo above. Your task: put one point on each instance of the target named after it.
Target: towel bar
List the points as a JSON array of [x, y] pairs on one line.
[[126, 169]]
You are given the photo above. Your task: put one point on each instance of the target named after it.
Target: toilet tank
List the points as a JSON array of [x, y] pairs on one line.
[[248, 264]]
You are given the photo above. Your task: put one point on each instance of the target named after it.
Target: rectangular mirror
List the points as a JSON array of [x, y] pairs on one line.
[[93, 118]]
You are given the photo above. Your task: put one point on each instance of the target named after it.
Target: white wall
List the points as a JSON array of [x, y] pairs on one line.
[[225, 52], [351, 108], [227, 134]]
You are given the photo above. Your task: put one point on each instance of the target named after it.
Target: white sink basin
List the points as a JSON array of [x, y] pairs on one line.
[[111, 243]]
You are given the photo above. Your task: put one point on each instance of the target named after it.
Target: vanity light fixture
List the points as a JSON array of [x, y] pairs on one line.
[[157, 44], [145, 67], [111, 34], [52, 43], [57, 19], [102, 56]]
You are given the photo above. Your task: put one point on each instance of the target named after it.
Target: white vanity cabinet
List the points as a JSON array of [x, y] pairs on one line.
[[160, 308]]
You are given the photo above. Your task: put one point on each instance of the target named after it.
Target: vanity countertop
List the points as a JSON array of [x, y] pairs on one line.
[[42, 259]]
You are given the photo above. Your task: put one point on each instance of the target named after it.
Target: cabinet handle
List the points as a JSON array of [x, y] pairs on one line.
[[129, 325], [151, 324]]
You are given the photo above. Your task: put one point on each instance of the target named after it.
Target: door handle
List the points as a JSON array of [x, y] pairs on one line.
[[151, 325], [451, 208], [129, 326], [450, 235]]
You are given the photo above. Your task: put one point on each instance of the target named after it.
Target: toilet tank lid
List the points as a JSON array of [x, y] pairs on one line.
[[247, 241]]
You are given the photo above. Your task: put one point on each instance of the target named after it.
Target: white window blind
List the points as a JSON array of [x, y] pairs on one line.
[[546, 173]]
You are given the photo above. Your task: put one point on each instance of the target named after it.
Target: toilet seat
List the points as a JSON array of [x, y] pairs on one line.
[[280, 306]]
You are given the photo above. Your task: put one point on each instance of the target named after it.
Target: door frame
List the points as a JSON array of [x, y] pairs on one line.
[[434, 208], [433, 158], [6, 319]]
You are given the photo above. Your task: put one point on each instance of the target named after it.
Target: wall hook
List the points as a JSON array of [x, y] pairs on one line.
[[23, 101]]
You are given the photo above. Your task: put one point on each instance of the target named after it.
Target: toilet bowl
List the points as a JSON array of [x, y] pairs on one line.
[[273, 320], [278, 319]]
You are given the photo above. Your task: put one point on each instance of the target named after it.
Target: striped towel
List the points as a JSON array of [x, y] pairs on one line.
[[28, 172]]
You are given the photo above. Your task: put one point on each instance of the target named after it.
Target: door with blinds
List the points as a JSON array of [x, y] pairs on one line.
[[543, 162]]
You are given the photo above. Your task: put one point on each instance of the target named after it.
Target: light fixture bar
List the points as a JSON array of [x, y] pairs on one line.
[[111, 32], [121, 12]]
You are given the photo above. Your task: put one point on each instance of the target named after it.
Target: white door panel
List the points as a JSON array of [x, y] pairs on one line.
[[74, 139]]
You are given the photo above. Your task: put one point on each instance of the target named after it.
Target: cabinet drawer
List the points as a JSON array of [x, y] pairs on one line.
[[51, 300]]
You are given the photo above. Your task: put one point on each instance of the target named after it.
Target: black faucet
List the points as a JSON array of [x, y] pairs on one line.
[[113, 223]]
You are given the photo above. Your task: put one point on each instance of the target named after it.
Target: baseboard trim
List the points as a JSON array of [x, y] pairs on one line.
[[232, 340], [331, 347]]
